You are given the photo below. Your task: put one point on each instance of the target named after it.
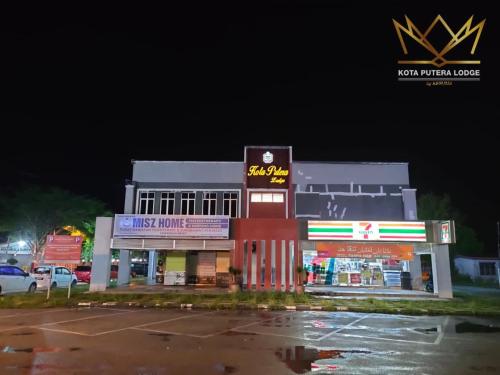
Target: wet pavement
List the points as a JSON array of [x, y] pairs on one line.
[[149, 341]]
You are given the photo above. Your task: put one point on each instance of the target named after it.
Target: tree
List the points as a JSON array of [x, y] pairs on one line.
[[439, 207], [32, 213]]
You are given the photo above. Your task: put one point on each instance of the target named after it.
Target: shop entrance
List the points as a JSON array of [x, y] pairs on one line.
[[375, 272], [193, 267]]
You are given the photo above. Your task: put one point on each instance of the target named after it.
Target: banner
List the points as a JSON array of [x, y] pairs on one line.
[[63, 249], [171, 226], [366, 251]]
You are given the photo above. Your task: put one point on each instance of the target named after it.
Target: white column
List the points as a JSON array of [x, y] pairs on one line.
[[442, 272], [415, 268], [101, 262], [124, 268], [151, 279]]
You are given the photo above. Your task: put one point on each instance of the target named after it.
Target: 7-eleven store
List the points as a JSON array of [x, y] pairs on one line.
[[364, 253]]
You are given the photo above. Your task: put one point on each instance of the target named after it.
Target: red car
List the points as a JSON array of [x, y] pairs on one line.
[[83, 273]]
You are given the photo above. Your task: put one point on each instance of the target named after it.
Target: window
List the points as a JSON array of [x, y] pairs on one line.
[[487, 269], [167, 201], [65, 271], [209, 203], [146, 202], [231, 204], [267, 198], [187, 203], [17, 271]]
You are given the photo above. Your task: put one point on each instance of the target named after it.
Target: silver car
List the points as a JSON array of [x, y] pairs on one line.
[[15, 280]]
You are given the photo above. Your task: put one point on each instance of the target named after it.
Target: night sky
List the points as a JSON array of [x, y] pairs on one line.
[[85, 90]]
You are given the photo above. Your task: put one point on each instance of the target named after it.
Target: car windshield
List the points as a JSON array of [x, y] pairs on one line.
[[42, 270]]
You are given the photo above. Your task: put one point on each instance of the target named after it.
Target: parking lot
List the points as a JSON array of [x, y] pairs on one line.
[[158, 341]]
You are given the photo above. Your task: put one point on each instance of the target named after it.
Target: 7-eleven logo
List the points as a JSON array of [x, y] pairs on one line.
[[365, 229]]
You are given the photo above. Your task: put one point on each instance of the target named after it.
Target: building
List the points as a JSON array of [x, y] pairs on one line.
[[478, 268], [349, 224]]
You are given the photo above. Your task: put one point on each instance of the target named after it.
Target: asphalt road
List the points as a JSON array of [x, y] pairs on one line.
[[120, 341]]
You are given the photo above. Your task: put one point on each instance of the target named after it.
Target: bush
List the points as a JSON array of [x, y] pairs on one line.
[[12, 261]]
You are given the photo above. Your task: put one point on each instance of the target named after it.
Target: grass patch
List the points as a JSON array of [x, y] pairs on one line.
[[462, 304]]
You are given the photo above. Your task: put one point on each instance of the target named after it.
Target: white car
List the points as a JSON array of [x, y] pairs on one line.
[[13, 280], [61, 277]]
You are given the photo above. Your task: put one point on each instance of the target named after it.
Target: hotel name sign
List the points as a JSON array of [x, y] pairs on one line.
[[267, 168]]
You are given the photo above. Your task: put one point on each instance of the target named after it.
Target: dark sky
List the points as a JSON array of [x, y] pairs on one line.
[[85, 90]]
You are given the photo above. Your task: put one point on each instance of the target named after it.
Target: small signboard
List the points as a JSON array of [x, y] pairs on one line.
[[63, 249]]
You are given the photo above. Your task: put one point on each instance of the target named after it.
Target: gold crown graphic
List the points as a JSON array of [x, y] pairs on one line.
[[421, 38]]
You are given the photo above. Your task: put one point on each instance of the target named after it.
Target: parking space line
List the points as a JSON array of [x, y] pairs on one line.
[[152, 323], [441, 331], [387, 339], [86, 318], [61, 331], [31, 313], [343, 327], [260, 321]]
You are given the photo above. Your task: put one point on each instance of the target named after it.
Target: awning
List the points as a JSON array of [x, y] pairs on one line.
[[168, 244]]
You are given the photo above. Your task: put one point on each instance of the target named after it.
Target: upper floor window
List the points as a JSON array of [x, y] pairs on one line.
[[209, 203], [167, 202], [187, 203], [146, 202], [267, 198], [230, 204]]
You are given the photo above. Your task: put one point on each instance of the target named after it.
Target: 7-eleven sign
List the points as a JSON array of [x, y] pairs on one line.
[[366, 230]]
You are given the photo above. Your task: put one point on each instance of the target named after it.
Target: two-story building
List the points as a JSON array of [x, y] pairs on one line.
[[348, 224]]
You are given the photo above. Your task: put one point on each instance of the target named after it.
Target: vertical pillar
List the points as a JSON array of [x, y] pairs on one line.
[[416, 272], [269, 266], [249, 264], [278, 281], [443, 274], [152, 260], [287, 266], [124, 268], [409, 204], [101, 261], [259, 265], [124, 265]]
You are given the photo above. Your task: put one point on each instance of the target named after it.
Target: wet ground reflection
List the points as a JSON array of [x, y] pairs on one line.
[[300, 359], [468, 327]]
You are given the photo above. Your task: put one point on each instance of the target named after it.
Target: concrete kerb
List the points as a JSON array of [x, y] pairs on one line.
[[206, 306]]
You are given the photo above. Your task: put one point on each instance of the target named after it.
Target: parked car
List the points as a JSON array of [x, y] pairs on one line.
[[83, 273], [13, 279], [61, 277]]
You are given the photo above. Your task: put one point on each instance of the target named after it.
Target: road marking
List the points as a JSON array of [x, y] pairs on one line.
[[387, 339], [170, 332], [151, 323], [86, 318], [343, 327], [441, 331], [62, 331]]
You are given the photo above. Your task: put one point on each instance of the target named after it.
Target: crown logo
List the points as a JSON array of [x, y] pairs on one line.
[[421, 38]]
